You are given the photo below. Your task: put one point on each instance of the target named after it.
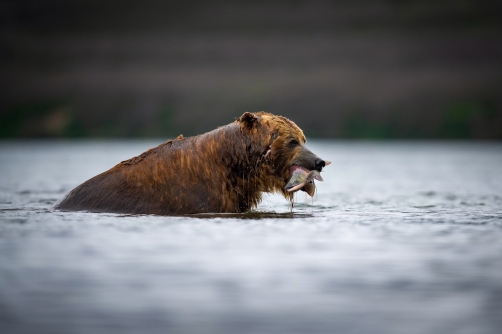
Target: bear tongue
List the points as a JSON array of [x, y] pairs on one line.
[[298, 169]]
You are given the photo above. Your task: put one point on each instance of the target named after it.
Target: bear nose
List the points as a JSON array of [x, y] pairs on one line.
[[319, 164]]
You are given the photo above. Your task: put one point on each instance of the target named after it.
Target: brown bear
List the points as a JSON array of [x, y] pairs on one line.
[[225, 170]]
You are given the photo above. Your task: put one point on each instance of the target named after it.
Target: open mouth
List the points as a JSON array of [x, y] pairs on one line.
[[302, 179]]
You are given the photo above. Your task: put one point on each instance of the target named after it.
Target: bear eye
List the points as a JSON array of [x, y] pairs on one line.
[[293, 143]]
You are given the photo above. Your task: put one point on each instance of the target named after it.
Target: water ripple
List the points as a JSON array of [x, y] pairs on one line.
[[400, 238]]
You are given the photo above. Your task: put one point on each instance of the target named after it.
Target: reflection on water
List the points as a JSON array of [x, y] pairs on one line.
[[403, 237], [255, 214]]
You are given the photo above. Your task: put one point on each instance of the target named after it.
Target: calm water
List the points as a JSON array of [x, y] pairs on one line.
[[403, 237]]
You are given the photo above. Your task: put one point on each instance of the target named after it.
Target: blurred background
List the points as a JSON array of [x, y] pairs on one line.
[[346, 69]]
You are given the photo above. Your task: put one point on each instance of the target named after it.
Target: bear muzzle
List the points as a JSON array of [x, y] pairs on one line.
[[302, 178]]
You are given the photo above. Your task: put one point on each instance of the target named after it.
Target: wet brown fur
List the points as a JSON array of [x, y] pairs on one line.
[[225, 170]]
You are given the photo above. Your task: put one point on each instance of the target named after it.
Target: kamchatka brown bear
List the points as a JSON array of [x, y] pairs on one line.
[[225, 170]]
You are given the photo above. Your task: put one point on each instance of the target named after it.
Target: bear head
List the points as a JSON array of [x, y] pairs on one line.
[[281, 144]]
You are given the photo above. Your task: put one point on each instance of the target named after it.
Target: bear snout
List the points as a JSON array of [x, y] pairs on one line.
[[319, 164], [309, 160]]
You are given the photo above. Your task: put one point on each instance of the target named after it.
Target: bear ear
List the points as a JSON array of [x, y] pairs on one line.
[[248, 119]]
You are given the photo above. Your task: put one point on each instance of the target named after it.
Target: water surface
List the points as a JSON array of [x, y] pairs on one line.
[[402, 237]]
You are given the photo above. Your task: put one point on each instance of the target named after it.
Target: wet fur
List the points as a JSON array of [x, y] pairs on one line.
[[225, 170]]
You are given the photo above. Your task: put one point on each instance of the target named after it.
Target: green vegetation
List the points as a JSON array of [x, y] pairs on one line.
[[460, 120], [45, 119], [57, 119]]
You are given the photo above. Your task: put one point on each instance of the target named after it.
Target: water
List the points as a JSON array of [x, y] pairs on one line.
[[403, 237]]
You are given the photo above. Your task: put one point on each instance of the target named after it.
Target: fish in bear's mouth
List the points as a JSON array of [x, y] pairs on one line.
[[302, 179]]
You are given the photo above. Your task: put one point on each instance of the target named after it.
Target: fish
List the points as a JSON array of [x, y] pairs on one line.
[[302, 179]]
